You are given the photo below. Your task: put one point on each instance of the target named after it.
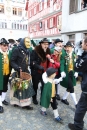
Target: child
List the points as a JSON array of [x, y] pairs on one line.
[[49, 93]]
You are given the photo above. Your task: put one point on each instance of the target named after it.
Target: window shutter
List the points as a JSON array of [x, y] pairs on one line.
[[54, 21], [42, 5], [48, 3], [37, 8], [48, 23], [72, 6]]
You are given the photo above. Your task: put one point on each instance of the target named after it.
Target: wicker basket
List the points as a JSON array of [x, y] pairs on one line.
[[25, 76]]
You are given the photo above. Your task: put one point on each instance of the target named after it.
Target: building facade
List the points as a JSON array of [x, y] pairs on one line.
[[74, 20], [44, 19], [13, 19]]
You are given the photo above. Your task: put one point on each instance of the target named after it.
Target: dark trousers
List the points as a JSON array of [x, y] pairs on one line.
[[35, 80], [80, 112], [5, 84], [70, 87], [53, 104]]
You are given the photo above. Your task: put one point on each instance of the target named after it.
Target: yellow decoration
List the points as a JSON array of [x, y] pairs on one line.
[[53, 90], [70, 64], [5, 65]]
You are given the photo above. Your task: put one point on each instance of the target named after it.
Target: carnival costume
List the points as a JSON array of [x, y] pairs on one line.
[[67, 62], [49, 93], [4, 73], [21, 87]]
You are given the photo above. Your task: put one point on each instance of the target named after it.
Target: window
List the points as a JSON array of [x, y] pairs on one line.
[[40, 25], [40, 6], [13, 25], [77, 5], [34, 10], [17, 26], [35, 28], [1, 9], [59, 18], [51, 22], [72, 6], [3, 25], [14, 11], [30, 13], [72, 38], [83, 4], [24, 27], [21, 26], [19, 12], [30, 29]]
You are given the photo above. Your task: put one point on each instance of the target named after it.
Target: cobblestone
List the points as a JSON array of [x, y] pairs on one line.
[[15, 118]]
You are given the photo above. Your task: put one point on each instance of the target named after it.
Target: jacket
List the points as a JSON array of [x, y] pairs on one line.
[[37, 56], [81, 66]]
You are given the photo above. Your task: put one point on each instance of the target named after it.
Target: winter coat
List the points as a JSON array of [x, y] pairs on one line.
[[81, 66], [64, 68], [20, 57], [1, 68], [38, 56]]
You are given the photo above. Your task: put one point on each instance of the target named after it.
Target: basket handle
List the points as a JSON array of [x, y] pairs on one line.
[[20, 73]]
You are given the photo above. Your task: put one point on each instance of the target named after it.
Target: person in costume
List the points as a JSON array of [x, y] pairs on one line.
[[68, 73], [5, 70], [38, 64], [20, 61], [55, 63], [49, 93], [57, 43]]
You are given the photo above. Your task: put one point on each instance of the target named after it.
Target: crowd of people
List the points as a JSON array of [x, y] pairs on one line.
[[51, 64]]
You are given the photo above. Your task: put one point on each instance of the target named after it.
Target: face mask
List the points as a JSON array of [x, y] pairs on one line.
[[27, 43]]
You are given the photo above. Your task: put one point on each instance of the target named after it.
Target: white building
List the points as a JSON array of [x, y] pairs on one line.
[[13, 19], [74, 20]]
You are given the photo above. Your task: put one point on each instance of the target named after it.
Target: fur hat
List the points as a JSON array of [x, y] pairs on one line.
[[51, 71]]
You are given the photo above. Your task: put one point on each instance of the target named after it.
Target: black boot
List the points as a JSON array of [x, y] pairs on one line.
[[35, 101], [57, 96], [65, 101], [1, 109], [5, 102]]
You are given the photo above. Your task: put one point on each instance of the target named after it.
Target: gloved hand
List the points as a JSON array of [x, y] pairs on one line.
[[44, 77], [76, 74], [41, 68], [63, 74], [56, 81]]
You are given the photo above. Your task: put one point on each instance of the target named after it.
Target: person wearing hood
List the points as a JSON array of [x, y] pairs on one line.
[[20, 62]]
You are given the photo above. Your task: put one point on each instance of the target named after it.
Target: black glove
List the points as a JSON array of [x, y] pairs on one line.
[[41, 68]]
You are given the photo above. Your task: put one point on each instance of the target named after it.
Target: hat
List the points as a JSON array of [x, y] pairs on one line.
[[58, 49], [69, 44], [51, 71], [58, 40], [45, 40], [19, 40], [3, 41]]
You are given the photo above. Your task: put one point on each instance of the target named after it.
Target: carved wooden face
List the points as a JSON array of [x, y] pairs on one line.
[[27, 43]]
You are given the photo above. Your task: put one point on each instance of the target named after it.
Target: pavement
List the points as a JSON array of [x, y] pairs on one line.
[[16, 118]]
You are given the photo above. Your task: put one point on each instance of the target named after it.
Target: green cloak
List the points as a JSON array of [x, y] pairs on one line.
[[1, 68], [64, 62], [46, 95]]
